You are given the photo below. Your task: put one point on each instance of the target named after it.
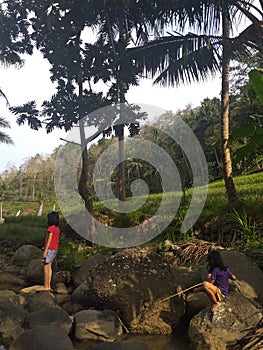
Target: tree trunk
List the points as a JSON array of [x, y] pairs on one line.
[[83, 181], [83, 187], [121, 174], [232, 197], [33, 187]]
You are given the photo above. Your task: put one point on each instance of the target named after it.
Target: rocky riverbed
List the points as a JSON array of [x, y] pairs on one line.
[[117, 302]]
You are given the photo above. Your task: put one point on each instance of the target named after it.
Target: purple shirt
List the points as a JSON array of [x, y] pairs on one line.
[[221, 279]]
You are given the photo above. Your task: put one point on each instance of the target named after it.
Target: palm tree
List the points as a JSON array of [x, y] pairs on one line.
[[176, 59], [4, 138]]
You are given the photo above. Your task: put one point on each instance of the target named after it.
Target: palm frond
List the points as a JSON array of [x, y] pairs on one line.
[[4, 123], [178, 59], [4, 138], [250, 38]]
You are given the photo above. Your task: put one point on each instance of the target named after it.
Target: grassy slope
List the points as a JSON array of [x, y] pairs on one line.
[[250, 192], [249, 189]]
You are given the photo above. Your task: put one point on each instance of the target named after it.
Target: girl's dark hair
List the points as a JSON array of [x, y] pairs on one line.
[[53, 218], [215, 260]]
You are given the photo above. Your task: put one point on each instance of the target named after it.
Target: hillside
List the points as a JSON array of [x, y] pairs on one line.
[[214, 223]]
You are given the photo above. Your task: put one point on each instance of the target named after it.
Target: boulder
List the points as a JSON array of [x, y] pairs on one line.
[[230, 322], [34, 274], [11, 320], [97, 325], [49, 316], [24, 254], [8, 281], [62, 293], [12, 296], [61, 277], [134, 282], [186, 276], [249, 275], [71, 308], [39, 301], [122, 345], [87, 265], [42, 338], [34, 271], [195, 302]]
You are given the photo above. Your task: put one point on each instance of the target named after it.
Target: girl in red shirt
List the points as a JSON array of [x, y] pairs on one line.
[[50, 248]]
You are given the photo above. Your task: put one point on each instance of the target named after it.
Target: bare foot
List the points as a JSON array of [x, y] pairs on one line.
[[215, 306], [43, 289]]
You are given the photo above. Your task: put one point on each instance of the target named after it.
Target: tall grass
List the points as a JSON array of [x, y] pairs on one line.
[[24, 229]]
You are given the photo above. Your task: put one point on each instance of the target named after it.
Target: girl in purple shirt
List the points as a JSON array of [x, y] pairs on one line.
[[218, 285]]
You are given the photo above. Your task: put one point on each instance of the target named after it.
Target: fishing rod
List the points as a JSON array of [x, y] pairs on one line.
[[182, 291]]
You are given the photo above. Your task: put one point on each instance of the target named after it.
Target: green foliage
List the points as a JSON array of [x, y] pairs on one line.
[[71, 254], [68, 256], [242, 223], [256, 78]]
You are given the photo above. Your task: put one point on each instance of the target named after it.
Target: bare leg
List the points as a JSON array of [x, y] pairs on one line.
[[47, 276], [47, 269], [211, 290]]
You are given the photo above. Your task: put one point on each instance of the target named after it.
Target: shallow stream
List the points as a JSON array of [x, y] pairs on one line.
[[154, 342]]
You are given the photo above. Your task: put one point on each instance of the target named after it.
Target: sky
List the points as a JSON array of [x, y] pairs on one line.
[[31, 82]]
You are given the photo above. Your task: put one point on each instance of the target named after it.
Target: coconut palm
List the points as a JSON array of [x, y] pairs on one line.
[[175, 59]]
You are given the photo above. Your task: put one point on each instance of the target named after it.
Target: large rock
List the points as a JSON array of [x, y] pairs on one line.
[[42, 338], [8, 281], [122, 345], [34, 271], [49, 316], [133, 282], [230, 322], [195, 302], [11, 320], [24, 254], [249, 276], [39, 301], [97, 325], [83, 272], [34, 274], [12, 296]]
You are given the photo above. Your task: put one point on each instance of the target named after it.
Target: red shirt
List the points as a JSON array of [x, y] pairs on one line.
[[55, 237]]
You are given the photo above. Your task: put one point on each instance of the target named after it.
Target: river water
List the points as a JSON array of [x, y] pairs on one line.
[[154, 342], [177, 341]]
